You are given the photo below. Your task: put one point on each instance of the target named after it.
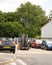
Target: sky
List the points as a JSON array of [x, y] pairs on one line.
[[12, 5]]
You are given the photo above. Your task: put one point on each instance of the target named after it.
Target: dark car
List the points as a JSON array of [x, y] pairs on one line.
[[7, 44], [47, 45]]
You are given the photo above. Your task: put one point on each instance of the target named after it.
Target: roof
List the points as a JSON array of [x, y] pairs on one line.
[[47, 22]]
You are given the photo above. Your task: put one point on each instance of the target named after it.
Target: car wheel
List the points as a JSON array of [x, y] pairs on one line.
[[42, 47], [45, 47], [27, 49], [13, 51]]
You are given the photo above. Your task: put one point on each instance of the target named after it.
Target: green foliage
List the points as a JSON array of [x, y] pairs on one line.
[[27, 18], [31, 14], [10, 29], [32, 17], [38, 37]]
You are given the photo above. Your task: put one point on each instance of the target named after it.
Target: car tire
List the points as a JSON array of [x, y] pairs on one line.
[[45, 48], [13, 51], [27, 49], [42, 47]]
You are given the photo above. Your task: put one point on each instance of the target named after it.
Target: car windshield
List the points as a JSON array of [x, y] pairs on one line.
[[49, 43], [6, 39]]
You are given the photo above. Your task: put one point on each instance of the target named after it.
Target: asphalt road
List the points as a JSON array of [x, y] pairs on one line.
[[6, 57], [31, 57]]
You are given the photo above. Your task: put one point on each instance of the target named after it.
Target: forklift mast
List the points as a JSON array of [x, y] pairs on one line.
[[23, 39]]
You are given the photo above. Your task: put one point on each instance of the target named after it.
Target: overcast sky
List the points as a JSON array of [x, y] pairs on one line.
[[11, 5]]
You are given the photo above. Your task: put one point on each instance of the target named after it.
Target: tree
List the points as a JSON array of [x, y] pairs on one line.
[[50, 15], [31, 17], [27, 18], [2, 27], [1, 16], [10, 29], [31, 14]]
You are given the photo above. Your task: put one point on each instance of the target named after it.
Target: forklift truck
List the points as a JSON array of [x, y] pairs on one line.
[[23, 42]]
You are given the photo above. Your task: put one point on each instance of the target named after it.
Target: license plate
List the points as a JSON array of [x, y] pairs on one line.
[[6, 46]]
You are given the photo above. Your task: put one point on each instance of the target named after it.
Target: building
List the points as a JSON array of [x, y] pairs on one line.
[[46, 30]]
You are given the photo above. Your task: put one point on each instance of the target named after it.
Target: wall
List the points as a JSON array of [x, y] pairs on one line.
[[46, 31]]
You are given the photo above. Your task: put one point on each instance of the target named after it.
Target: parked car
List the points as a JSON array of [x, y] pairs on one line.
[[7, 44], [39, 42], [47, 45], [36, 43]]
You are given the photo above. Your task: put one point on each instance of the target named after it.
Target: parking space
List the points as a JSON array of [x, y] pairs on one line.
[[34, 56], [33, 51]]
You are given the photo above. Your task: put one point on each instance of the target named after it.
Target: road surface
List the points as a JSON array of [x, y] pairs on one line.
[[31, 57]]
